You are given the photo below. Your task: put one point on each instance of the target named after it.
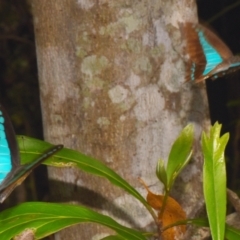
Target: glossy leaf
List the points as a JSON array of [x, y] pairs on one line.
[[48, 218], [214, 179], [30, 148], [180, 154]]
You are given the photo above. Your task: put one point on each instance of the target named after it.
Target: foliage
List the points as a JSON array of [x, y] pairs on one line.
[[47, 218], [214, 180]]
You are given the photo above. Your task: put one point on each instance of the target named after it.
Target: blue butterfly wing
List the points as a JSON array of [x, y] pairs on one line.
[[213, 58], [9, 154], [12, 173], [209, 56]]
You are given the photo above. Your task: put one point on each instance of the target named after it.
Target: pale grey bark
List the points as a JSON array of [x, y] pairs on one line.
[[111, 78]]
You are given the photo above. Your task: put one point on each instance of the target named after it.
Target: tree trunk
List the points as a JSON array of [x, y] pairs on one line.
[[112, 86]]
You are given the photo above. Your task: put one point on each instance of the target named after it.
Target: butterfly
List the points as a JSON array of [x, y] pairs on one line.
[[12, 173], [209, 56]]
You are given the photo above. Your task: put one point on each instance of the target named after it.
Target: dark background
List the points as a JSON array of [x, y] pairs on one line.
[[224, 93], [19, 91]]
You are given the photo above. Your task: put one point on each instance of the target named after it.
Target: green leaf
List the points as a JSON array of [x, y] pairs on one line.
[[180, 154], [113, 237], [30, 148], [201, 222], [232, 233], [214, 179], [48, 218], [161, 173]]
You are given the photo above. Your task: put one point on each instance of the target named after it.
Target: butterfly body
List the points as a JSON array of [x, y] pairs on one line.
[[208, 55], [12, 173]]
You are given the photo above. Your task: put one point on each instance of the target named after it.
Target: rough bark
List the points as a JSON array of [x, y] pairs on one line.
[[111, 78]]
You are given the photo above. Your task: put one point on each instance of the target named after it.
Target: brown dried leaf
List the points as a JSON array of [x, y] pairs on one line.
[[173, 212]]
